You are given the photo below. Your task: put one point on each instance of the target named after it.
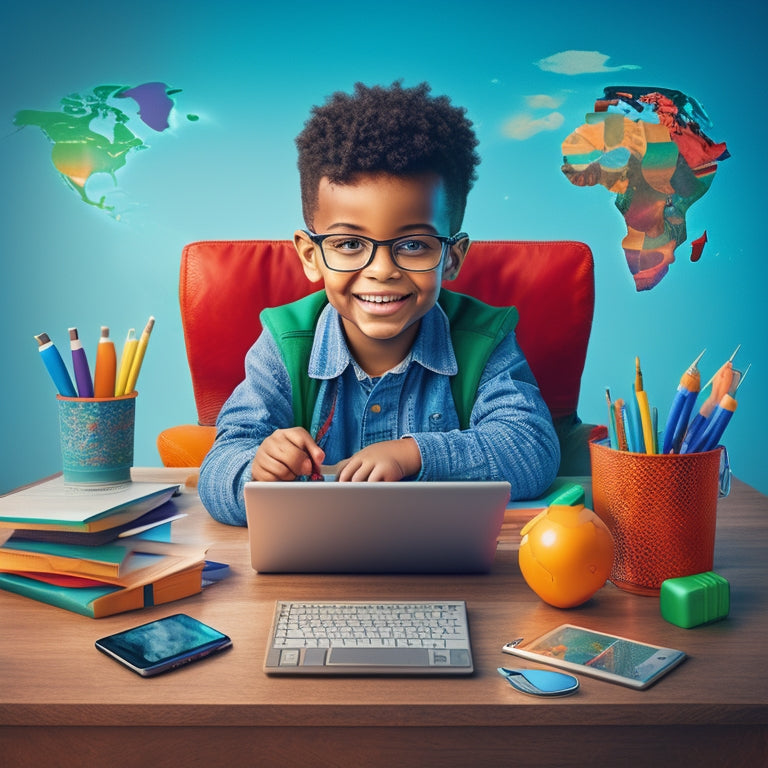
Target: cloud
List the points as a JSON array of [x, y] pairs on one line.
[[543, 101], [523, 126], [579, 63]]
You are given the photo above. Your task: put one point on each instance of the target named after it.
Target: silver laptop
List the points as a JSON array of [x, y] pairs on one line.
[[406, 527]]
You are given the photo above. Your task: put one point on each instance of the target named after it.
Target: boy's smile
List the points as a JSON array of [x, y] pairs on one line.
[[381, 304]]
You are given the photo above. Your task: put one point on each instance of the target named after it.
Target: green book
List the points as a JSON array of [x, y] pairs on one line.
[[46, 556]]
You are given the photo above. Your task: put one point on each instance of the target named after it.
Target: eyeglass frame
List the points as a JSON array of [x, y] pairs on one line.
[[446, 242]]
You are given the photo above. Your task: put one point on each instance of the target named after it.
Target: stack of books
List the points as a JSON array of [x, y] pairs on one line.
[[96, 552]]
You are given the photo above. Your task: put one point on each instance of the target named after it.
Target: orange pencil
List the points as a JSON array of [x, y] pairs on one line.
[[106, 366], [621, 429]]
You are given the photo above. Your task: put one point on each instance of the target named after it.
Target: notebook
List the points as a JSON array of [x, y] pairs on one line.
[[406, 527], [363, 638]]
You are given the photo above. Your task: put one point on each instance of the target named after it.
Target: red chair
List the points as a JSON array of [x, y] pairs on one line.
[[224, 284]]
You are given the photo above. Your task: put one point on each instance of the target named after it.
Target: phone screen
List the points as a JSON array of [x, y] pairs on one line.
[[625, 658], [167, 643]]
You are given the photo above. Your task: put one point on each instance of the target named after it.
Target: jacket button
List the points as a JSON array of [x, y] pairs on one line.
[[376, 408]]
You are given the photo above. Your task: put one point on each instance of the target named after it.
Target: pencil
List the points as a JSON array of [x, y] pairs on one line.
[[138, 358], [644, 407], [129, 350], [621, 425]]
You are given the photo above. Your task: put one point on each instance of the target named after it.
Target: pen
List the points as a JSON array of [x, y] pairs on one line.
[[716, 425], [710, 436], [682, 405], [106, 365], [80, 365], [612, 436], [55, 365], [721, 384], [138, 358], [634, 427], [126, 358], [644, 408]]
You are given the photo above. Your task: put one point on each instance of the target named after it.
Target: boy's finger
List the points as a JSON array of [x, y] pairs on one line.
[[304, 441]]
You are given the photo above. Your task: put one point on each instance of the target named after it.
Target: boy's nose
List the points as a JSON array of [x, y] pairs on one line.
[[383, 265]]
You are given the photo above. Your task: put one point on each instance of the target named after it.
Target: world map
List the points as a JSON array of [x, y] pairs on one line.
[[99, 131]]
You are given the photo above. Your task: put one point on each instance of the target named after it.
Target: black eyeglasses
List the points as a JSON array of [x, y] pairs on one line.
[[412, 253]]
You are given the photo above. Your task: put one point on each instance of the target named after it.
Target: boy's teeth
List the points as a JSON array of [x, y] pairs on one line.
[[380, 299]]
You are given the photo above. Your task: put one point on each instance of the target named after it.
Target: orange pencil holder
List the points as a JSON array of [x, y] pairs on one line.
[[661, 511]]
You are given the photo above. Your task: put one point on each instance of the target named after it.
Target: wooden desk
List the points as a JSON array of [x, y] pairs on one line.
[[62, 702]]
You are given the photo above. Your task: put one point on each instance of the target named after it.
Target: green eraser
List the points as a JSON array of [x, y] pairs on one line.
[[568, 495], [689, 601]]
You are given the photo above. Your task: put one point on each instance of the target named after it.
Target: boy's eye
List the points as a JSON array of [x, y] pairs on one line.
[[348, 245], [410, 246], [416, 247]]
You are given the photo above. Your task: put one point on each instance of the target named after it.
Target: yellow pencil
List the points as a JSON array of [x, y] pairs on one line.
[[644, 408], [138, 358], [126, 359]]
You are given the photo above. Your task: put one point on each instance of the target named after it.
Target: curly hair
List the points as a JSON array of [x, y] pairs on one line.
[[395, 130]]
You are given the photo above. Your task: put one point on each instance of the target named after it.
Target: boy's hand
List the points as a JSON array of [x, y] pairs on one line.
[[388, 461], [287, 454]]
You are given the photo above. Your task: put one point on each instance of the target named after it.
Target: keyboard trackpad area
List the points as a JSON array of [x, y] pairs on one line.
[[396, 657]]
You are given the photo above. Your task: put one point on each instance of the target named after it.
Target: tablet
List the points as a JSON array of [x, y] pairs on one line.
[[598, 654]]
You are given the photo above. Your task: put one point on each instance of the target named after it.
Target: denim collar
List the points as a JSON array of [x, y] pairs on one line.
[[432, 347]]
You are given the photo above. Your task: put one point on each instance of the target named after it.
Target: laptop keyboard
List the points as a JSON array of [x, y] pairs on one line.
[[370, 637]]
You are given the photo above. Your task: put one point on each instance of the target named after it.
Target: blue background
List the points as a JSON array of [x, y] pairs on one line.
[[252, 73]]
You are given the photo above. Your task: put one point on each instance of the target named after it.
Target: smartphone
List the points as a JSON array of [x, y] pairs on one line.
[[609, 657], [165, 644]]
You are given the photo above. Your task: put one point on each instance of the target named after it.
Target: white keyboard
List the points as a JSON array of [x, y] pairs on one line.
[[370, 638]]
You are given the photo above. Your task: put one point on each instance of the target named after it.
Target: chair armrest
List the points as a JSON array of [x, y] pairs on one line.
[[185, 445]]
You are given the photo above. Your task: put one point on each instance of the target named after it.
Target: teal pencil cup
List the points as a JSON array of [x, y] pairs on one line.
[[96, 437]]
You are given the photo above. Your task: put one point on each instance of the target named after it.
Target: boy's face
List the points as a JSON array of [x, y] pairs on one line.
[[381, 305]]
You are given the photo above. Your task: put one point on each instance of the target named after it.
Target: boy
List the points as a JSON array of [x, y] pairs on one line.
[[385, 174]]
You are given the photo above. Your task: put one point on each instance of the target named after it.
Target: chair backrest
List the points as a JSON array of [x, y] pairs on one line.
[[225, 284]]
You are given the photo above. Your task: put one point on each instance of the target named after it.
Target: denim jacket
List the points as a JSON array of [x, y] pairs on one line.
[[510, 437]]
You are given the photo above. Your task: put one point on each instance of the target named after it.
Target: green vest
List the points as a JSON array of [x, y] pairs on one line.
[[476, 330]]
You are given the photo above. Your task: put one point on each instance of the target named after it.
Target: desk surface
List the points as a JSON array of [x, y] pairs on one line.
[[59, 696]]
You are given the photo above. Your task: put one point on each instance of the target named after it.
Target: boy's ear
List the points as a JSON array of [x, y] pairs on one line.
[[455, 258], [308, 255]]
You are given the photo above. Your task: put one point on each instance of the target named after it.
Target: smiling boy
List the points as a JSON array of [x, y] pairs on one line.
[[385, 174]]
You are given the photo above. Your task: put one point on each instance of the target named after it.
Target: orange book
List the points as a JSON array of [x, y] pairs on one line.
[[107, 599], [132, 561]]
